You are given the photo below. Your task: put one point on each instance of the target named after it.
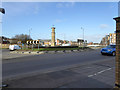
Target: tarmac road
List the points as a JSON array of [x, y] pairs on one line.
[[29, 65]]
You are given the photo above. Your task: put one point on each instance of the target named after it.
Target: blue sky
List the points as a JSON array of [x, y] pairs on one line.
[[68, 17]]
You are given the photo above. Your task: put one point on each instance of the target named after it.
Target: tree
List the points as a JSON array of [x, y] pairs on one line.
[[22, 37]]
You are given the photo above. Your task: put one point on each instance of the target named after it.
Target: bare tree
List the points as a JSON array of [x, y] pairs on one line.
[[22, 37]]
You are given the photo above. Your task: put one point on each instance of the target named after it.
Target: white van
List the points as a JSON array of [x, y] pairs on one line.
[[14, 47]]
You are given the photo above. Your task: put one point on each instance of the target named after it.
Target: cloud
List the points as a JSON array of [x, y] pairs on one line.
[[59, 5], [104, 26], [60, 0], [36, 10], [119, 8], [71, 4], [60, 12], [65, 4], [15, 8], [58, 20], [94, 38]]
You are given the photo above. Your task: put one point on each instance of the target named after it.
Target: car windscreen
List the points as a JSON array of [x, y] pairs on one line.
[[111, 46]]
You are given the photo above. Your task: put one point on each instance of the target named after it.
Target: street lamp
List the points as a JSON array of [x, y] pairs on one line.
[[2, 10], [83, 36]]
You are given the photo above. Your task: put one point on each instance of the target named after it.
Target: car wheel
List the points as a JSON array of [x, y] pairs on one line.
[[113, 53], [102, 53]]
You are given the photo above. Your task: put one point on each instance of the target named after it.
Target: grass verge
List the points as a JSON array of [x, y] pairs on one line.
[[50, 49]]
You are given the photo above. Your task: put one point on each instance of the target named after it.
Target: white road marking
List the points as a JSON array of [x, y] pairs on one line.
[[90, 75], [99, 72]]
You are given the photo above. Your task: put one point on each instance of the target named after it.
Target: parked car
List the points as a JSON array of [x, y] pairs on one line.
[[110, 49], [14, 47]]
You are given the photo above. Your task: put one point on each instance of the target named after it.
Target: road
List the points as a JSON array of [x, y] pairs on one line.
[[48, 63]]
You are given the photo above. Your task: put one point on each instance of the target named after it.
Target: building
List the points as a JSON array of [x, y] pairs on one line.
[[13, 41], [90, 43], [112, 37], [53, 37], [47, 42], [105, 40], [80, 42], [109, 39], [73, 43], [59, 42], [4, 40]]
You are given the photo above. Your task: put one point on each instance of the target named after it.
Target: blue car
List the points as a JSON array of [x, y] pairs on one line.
[[110, 49]]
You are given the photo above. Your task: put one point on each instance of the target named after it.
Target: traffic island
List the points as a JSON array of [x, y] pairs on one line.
[[50, 51]]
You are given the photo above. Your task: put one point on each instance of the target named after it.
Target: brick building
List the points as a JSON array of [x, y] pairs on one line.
[[112, 37]]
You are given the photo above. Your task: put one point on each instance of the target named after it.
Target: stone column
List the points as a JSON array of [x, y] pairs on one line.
[[117, 78], [53, 37]]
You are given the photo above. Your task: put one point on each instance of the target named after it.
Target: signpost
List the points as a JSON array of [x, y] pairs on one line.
[[2, 10]]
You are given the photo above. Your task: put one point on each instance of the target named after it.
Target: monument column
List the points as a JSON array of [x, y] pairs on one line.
[[117, 72], [53, 37]]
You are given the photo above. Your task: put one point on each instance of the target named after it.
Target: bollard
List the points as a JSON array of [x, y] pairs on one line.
[[32, 46], [38, 46]]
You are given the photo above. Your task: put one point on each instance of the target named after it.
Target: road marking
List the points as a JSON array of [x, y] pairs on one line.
[[99, 72], [90, 75]]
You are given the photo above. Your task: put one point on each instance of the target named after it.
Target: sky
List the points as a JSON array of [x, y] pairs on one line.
[[96, 18]]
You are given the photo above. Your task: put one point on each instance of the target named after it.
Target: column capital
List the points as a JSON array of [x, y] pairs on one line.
[[117, 19], [53, 28]]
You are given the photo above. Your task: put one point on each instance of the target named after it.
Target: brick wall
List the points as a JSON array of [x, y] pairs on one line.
[[4, 45], [117, 51]]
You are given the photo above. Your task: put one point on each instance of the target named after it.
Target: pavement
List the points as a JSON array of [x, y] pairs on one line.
[[6, 54], [88, 69]]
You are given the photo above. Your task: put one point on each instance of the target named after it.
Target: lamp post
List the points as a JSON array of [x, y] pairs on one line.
[[83, 37]]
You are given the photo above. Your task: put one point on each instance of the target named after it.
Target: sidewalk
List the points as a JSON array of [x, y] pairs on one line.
[[95, 75], [8, 55]]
